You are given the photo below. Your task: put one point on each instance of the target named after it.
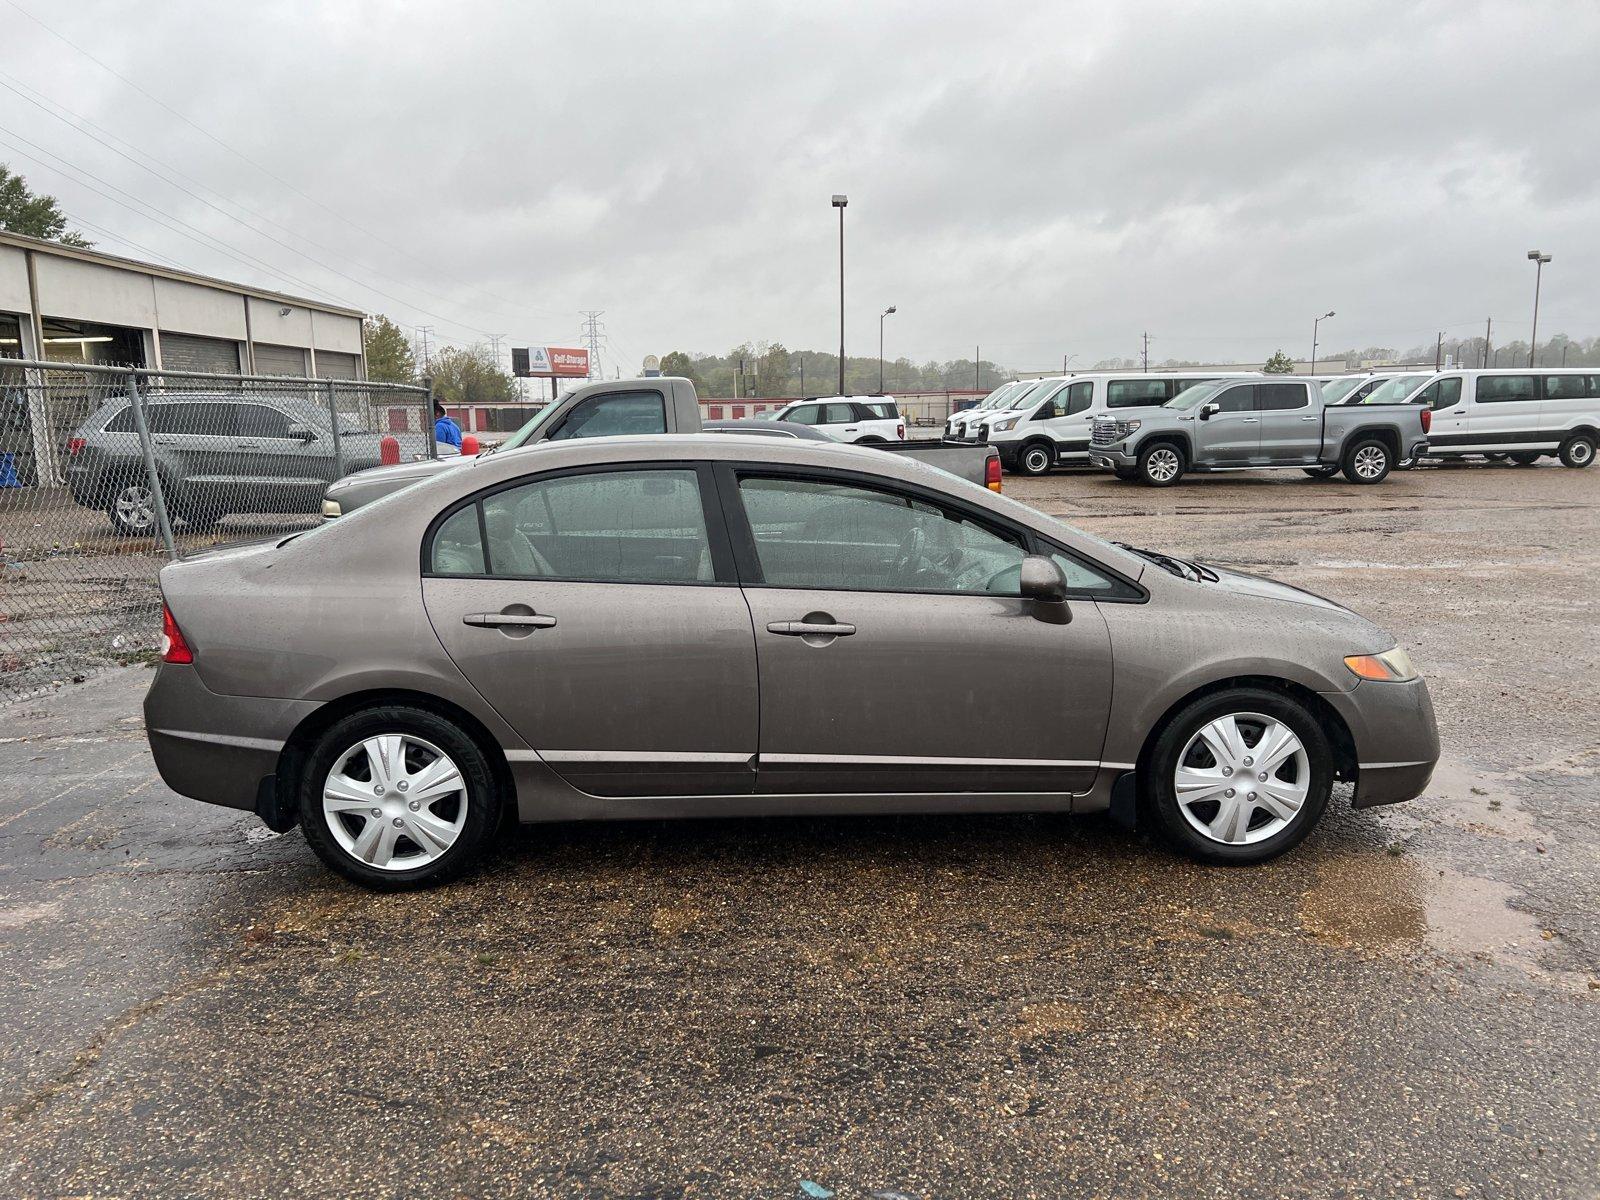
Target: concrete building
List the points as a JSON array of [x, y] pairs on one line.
[[66, 305]]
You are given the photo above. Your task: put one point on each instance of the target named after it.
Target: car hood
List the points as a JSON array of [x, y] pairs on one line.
[[1242, 583], [404, 473]]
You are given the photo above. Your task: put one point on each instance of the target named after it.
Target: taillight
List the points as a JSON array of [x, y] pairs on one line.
[[991, 473], [1427, 419], [74, 445], [900, 431], [173, 647]]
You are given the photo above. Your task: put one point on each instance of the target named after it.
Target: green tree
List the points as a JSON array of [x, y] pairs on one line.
[[389, 357], [471, 376], [681, 366], [1279, 364], [33, 214]]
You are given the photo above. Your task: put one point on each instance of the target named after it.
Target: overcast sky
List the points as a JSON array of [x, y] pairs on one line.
[[1041, 179]]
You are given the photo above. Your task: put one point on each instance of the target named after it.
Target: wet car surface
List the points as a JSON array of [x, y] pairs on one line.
[[1406, 1005]]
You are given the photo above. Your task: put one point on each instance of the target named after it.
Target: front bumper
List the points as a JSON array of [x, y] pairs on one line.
[[1396, 739], [216, 748], [1112, 458]]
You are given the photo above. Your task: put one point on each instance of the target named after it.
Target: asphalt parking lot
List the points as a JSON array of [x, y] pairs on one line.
[[1408, 1005]]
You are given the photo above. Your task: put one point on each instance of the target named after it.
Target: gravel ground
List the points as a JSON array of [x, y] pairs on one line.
[[989, 1006]]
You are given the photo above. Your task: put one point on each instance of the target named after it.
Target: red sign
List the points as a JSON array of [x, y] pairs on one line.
[[550, 362], [566, 363]]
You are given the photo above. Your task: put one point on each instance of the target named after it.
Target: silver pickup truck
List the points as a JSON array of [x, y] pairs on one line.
[[1249, 425], [631, 407]]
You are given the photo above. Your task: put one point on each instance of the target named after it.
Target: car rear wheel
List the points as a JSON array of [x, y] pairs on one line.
[[132, 509], [1577, 451], [870, 440], [1368, 461], [395, 798], [1161, 465], [1239, 777], [1035, 458]]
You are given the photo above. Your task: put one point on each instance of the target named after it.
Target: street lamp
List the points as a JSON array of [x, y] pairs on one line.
[[1539, 261], [839, 202], [1314, 325], [881, 316]]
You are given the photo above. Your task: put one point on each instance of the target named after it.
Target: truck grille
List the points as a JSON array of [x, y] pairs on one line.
[[1107, 432]]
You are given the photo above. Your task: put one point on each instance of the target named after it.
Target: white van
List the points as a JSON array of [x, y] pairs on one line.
[[956, 426], [1522, 414], [1055, 426]]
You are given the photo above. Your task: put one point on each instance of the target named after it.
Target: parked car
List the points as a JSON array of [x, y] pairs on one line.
[[1053, 425], [975, 464], [1521, 414], [1255, 424], [216, 454], [957, 424], [1353, 389], [848, 418], [700, 626]]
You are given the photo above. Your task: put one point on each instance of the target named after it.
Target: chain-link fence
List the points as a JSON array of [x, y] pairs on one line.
[[106, 473]]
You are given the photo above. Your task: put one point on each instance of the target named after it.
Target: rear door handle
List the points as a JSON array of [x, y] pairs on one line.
[[810, 628], [487, 620]]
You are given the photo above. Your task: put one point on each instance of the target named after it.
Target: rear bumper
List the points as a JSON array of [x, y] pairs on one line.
[[216, 748], [1396, 740]]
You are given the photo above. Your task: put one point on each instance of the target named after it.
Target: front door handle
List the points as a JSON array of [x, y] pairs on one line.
[[1250, 420], [810, 628], [1308, 418], [486, 620]]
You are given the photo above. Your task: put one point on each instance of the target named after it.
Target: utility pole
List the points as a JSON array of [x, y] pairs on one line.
[[1488, 328], [802, 374], [840, 202], [592, 331], [977, 368], [1438, 353], [1538, 276], [1146, 352]]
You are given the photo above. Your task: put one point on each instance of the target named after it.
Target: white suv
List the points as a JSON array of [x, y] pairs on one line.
[[848, 418]]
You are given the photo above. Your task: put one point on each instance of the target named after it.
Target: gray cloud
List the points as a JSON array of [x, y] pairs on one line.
[[1041, 179]]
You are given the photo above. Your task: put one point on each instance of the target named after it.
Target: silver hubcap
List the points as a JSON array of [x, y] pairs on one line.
[[1242, 778], [1581, 452], [1036, 460], [135, 506], [1370, 461], [1162, 465], [395, 802]]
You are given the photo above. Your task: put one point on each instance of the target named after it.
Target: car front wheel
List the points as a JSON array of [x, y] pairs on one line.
[[1239, 777], [1161, 465], [395, 798], [1035, 459], [132, 509], [1577, 451]]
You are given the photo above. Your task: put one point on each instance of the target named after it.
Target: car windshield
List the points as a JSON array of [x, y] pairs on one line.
[[1192, 396], [1336, 390], [1394, 390]]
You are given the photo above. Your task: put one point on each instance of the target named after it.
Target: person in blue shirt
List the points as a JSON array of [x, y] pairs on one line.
[[445, 430]]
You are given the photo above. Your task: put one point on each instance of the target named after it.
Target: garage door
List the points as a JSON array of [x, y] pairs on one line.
[[280, 360], [184, 352], [333, 365]]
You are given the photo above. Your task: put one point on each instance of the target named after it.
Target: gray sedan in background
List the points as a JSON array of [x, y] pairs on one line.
[[711, 625]]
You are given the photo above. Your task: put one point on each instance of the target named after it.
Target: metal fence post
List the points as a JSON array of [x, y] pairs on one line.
[[333, 420], [427, 420], [148, 450]]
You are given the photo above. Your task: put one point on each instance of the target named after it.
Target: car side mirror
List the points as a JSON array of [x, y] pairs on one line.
[[1044, 587], [1207, 411]]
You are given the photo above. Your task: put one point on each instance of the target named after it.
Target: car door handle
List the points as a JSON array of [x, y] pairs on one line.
[[1308, 418], [1251, 420], [810, 628], [166, 441], [249, 445], [486, 620]]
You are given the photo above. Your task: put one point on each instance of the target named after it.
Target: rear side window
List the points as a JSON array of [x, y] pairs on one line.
[[837, 414], [215, 420], [257, 420], [1136, 393], [1271, 396], [599, 527], [1570, 387], [1239, 398], [122, 421], [614, 414], [1503, 389]]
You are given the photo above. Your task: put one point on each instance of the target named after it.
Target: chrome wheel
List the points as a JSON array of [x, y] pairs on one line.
[[1371, 461], [1242, 778], [1162, 464], [395, 802], [134, 507]]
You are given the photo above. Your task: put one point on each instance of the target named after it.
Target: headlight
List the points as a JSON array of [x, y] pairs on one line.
[[330, 508], [1008, 423], [1392, 666], [1130, 427]]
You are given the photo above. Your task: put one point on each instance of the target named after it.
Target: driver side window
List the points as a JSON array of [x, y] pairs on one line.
[[813, 533], [614, 414], [1241, 398]]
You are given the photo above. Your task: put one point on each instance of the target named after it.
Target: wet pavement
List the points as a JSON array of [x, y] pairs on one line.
[[1408, 1005]]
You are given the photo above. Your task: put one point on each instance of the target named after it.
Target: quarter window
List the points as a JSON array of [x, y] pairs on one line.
[[1277, 396], [1501, 389], [838, 536], [614, 414], [600, 527], [1136, 393], [1569, 387]]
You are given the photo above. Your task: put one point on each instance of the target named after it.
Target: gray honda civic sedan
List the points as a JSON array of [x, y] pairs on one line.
[[715, 625]]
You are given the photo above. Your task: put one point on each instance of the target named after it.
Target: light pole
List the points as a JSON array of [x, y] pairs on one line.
[[839, 202], [1314, 325], [881, 316], [1538, 274]]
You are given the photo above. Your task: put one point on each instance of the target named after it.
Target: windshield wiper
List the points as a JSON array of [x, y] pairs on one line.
[[1180, 567]]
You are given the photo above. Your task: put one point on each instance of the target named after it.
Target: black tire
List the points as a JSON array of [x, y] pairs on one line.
[[481, 795], [1323, 472], [1160, 765], [1162, 464], [1577, 451], [1526, 458], [871, 440], [1036, 458], [1126, 474], [1497, 456], [131, 507], [1369, 461]]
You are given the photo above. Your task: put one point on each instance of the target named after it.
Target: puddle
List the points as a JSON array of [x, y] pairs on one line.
[[1482, 802]]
